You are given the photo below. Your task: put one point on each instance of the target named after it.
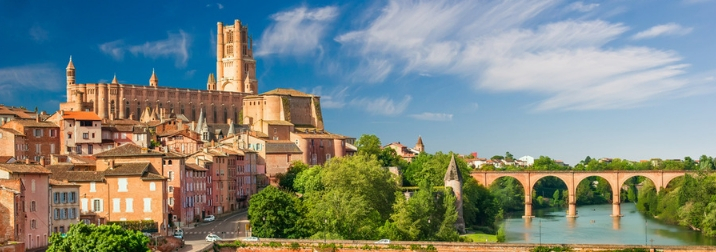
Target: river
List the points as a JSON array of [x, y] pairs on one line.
[[595, 226]]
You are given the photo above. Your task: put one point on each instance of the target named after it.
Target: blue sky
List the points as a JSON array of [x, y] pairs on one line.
[[565, 79]]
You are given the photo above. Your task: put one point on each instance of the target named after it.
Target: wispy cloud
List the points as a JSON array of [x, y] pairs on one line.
[[336, 98], [500, 49], [427, 116], [29, 77], [176, 45], [296, 32], [582, 7], [382, 105], [38, 34], [671, 29], [218, 5]]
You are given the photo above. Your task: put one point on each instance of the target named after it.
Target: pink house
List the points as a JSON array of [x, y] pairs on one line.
[[37, 209]]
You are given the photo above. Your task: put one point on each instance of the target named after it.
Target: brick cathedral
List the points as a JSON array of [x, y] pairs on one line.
[[222, 99]]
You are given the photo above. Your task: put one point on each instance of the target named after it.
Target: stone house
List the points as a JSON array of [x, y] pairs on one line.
[[13, 144], [81, 131], [12, 210], [41, 137], [36, 180], [64, 205]]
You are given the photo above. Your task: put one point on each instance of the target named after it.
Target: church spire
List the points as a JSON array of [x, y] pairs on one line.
[[114, 81], [153, 81], [70, 73], [199, 121], [420, 147], [70, 65], [211, 83]]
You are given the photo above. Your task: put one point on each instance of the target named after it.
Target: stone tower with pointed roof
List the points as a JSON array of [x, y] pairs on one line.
[[153, 81], [453, 179], [419, 146]]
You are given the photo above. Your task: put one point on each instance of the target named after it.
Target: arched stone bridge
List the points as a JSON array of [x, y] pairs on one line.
[[572, 178]]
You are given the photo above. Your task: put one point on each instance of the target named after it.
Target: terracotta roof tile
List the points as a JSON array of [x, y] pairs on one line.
[[11, 131], [278, 122], [127, 150], [54, 182], [195, 167], [153, 176], [13, 184], [81, 115], [33, 123], [24, 168], [287, 91], [128, 169], [4, 159]]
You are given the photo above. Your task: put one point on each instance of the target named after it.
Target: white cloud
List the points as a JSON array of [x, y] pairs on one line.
[[38, 34], [297, 31], [427, 116], [672, 29], [495, 47], [382, 105], [176, 45], [334, 99], [29, 77], [581, 7]]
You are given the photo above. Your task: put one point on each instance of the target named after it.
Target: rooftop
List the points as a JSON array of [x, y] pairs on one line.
[[80, 115], [288, 92], [127, 150], [24, 168]]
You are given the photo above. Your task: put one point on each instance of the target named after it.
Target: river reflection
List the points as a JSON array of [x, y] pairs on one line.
[[595, 226]]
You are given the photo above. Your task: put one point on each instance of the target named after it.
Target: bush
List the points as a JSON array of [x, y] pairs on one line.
[[415, 247], [295, 246], [396, 247], [431, 248], [501, 234]]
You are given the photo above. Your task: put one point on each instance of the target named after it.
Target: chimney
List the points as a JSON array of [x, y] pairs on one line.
[[27, 161], [42, 162], [111, 164], [37, 117]]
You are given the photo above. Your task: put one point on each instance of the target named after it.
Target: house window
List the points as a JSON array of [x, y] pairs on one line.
[[85, 135], [57, 214], [64, 213], [63, 198], [171, 175], [78, 149], [93, 187], [33, 206], [171, 189], [53, 133], [69, 135], [57, 198], [38, 132], [62, 229], [147, 205], [122, 185], [72, 213], [97, 205], [33, 224], [152, 186], [115, 205], [171, 201], [129, 202], [73, 197]]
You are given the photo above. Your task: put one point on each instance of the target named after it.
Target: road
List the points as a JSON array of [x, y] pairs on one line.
[[226, 227]]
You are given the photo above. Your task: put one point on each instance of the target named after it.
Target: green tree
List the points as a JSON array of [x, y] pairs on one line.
[[706, 163], [343, 215], [509, 156], [286, 181], [364, 177], [309, 180], [497, 157], [479, 206], [82, 237], [555, 198], [368, 145], [689, 163], [276, 214]]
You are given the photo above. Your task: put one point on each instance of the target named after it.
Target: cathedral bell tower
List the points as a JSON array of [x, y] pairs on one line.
[[70, 79], [235, 64]]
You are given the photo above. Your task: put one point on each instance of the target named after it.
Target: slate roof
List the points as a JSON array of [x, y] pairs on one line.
[[282, 147], [127, 150], [64, 172], [24, 168], [128, 169], [452, 172]]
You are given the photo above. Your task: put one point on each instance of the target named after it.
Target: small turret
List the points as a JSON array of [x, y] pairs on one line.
[[419, 146], [70, 72], [114, 81], [211, 83], [153, 81], [247, 84]]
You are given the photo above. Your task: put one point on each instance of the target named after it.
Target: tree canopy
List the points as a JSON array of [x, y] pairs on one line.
[[83, 237]]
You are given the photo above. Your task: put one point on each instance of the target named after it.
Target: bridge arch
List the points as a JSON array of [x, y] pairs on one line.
[[572, 178]]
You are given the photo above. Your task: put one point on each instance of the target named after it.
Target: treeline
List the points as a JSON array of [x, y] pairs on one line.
[[356, 198], [689, 201]]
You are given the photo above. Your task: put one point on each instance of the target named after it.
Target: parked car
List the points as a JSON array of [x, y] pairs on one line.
[[209, 218], [213, 238], [383, 241], [250, 238]]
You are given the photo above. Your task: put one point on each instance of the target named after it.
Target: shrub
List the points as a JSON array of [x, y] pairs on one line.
[[431, 248]]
